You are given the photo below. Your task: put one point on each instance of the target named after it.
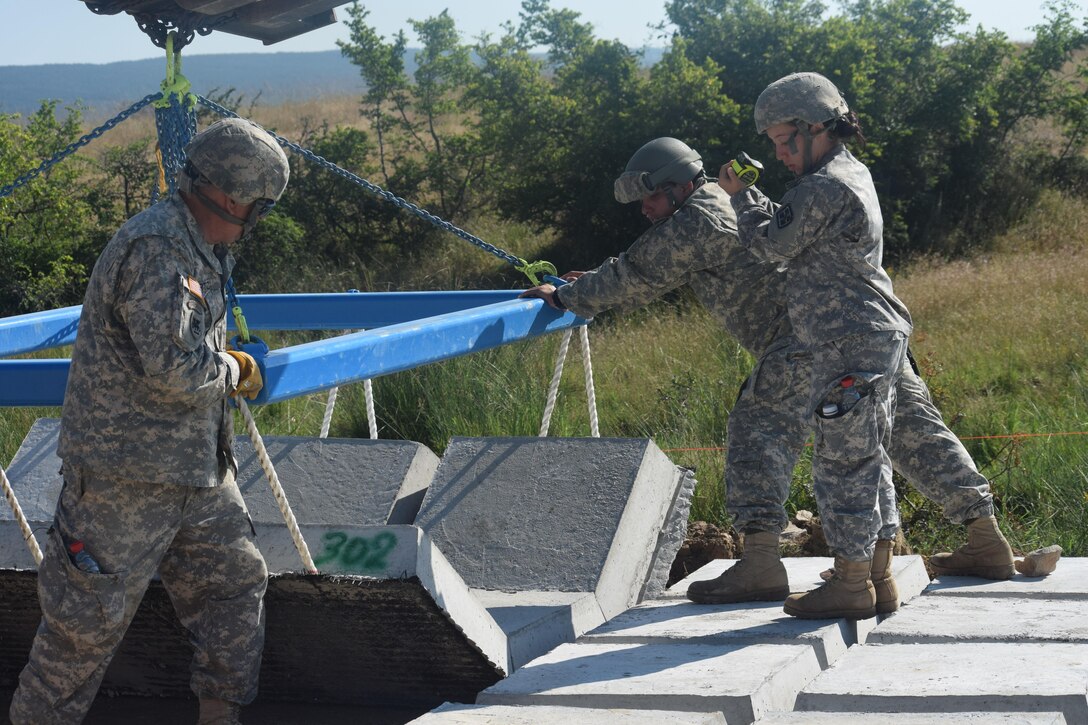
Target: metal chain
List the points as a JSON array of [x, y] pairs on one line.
[[175, 127], [75, 145], [377, 190]]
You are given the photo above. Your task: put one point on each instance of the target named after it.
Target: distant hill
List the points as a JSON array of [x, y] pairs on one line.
[[110, 87]]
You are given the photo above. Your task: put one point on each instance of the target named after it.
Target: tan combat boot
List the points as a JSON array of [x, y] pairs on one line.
[[887, 593], [218, 712], [986, 554], [849, 594], [759, 576]]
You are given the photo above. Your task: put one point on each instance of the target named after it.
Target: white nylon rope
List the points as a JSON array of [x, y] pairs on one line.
[[591, 394], [371, 419], [553, 389], [277, 489], [28, 535], [330, 404]]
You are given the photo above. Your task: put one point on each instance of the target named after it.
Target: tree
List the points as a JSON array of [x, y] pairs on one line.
[[938, 105], [50, 234]]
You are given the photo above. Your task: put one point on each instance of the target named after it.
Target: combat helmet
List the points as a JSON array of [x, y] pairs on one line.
[[661, 161], [241, 159], [807, 97]]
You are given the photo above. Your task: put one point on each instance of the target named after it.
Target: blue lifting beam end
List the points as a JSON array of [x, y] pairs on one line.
[[405, 330]]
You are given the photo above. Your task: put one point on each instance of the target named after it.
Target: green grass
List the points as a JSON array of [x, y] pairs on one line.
[[1003, 341]]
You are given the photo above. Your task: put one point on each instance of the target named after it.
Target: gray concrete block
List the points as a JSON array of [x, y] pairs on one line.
[[669, 620], [337, 481], [804, 574], [671, 538], [905, 718], [954, 678], [545, 715], [538, 622], [34, 473], [331, 481], [743, 683], [1068, 581], [552, 514], [983, 619]]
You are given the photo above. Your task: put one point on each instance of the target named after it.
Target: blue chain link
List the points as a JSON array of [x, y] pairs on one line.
[[75, 145], [377, 190], [175, 125]]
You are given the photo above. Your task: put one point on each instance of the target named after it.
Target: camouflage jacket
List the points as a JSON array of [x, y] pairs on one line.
[[697, 246], [827, 235], [146, 397]]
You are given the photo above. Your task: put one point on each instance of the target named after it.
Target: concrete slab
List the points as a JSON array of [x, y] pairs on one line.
[[742, 682], [671, 538], [537, 622], [804, 574], [337, 481], [902, 718], [954, 678], [1068, 581], [545, 715], [985, 619], [670, 620], [553, 514], [331, 481]]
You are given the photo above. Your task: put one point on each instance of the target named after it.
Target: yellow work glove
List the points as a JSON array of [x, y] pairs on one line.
[[250, 381]]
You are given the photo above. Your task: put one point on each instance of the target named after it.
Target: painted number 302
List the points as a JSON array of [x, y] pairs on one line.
[[357, 553]]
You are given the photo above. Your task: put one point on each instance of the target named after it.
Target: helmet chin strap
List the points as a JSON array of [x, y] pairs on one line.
[[809, 137], [190, 181], [247, 224]]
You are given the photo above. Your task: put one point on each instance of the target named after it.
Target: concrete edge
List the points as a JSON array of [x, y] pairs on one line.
[[647, 509]]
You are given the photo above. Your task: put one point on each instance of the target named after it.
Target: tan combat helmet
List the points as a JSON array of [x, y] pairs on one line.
[[659, 162], [807, 97], [242, 160]]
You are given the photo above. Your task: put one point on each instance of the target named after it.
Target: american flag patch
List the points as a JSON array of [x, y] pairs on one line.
[[193, 285]]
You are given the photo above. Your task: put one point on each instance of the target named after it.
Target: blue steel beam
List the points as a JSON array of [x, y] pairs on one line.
[[38, 331], [336, 311], [314, 366]]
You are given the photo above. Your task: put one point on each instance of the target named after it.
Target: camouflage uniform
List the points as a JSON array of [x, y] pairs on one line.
[[771, 420], [148, 475], [827, 237], [696, 245]]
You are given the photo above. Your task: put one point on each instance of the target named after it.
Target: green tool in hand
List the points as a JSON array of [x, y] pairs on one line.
[[746, 168]]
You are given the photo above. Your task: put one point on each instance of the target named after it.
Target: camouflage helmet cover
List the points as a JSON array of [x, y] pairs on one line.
[[241, 159], [807, 97], [657, 162]]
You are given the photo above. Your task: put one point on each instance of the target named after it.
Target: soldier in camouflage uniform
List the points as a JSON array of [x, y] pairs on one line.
[[826, 234], [149, 475], [693, 241]]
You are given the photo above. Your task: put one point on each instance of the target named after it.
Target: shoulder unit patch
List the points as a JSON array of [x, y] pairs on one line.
[[783, 216]]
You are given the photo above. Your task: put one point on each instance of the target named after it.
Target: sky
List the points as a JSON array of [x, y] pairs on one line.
[[34, 32]]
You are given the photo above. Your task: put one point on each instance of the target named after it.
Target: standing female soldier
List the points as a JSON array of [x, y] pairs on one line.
[[827, 235]]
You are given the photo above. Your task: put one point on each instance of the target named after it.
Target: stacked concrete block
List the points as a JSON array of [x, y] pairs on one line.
[[554, 514], [972, 645]]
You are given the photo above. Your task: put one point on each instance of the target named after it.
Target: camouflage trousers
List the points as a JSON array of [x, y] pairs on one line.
[[771, 421], [202, 543]]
